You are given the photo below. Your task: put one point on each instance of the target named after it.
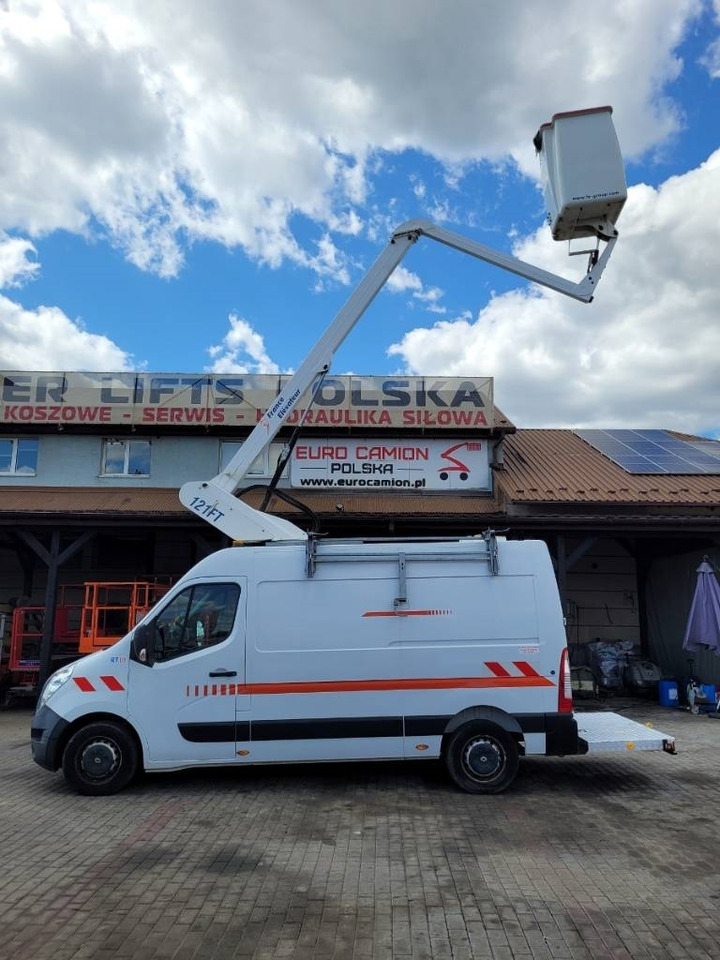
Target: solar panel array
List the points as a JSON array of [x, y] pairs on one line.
[[654, 451]]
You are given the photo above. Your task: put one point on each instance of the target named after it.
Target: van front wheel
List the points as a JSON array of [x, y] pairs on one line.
[[482, 758], [100, 759]]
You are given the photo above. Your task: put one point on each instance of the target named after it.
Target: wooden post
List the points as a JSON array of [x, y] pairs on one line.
[[53, 559]]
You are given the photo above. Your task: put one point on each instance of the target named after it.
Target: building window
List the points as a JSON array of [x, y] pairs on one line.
[[19, 456], [126, 458], [263, 467]]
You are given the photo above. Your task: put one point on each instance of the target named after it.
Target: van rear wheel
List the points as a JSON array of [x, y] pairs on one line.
[[100, 759], [482, 758]]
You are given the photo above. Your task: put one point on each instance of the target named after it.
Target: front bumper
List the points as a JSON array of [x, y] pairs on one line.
[[45, 733]]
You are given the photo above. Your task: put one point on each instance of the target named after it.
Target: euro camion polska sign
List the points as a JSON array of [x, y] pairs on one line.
[[374, 464], [239, 400]]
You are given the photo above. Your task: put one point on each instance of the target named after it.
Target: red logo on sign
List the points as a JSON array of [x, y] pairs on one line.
[[462, 469]]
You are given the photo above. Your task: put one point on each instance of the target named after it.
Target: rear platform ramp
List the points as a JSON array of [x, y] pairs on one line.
[[611, 732]]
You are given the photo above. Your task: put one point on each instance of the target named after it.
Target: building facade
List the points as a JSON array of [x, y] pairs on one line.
[[90, 467]]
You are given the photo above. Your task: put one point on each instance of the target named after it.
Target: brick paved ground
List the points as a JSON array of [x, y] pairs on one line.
[[584, 858]]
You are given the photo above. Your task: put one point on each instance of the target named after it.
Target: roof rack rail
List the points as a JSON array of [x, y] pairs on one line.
[[314, 553]]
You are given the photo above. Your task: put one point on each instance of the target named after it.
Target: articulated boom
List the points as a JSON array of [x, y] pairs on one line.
[[214, 500]]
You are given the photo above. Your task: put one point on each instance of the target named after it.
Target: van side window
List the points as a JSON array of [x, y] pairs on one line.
[[197, 618]]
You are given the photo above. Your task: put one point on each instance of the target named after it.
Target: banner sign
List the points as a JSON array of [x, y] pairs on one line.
[[239, 400], [410, 465]]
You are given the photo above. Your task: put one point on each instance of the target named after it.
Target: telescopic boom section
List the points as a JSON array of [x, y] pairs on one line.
[[214, 500]]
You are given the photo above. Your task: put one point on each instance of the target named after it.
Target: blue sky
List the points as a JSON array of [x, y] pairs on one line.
[[191, 186]]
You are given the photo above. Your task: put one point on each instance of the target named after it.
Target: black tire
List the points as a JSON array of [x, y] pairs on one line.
[[482, 758], [100, 759]]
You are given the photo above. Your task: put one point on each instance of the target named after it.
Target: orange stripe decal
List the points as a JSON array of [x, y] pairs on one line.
[[501, 678], [498, 669], [527, 669], [366, 686], [427, 683]]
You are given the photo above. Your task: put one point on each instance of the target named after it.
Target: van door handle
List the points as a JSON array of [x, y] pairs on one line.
[[223, 673]]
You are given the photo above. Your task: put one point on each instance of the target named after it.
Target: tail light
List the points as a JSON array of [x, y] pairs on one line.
[[565, 701]]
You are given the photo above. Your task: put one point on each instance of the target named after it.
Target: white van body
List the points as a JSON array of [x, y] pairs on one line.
[[378, 651], [337, 650]]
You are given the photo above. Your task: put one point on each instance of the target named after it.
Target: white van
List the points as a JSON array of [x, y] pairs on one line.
[[338, 650]]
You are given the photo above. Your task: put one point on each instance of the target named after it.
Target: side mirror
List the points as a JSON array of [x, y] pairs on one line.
[[142, 643]]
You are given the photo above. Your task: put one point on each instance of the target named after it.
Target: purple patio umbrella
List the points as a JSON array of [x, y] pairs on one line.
[[703, 626]]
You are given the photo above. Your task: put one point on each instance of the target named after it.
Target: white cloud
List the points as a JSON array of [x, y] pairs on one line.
[[242, 351], [404, 280], [430, 297], [644, 353], [157, 124], [15, 268], [329, 262], [711, 58], [46, 339]]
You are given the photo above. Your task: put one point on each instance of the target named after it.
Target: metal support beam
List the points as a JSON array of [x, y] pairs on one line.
[[53, 558], [579, 552], [561, 568], [642, 570], [53, 564], [25, 559]]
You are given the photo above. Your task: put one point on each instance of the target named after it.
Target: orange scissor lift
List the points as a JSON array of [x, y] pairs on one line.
[[88, 617], [20, 674], [111, 610]]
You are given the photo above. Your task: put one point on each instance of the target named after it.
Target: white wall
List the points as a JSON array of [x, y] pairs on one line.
[[66, 460]]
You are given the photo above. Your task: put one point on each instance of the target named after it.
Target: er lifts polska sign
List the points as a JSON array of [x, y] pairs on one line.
[[396, 404]]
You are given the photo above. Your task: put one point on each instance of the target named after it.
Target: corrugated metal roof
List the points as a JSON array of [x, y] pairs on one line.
[[556, 466], [500, 420], [388, 505], [90, 501], [156, 502]]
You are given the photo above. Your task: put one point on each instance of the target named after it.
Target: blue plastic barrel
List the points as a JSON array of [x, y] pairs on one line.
[[668, 693]]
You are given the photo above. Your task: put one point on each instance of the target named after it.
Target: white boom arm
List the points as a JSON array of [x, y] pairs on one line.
[[214, 500]]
